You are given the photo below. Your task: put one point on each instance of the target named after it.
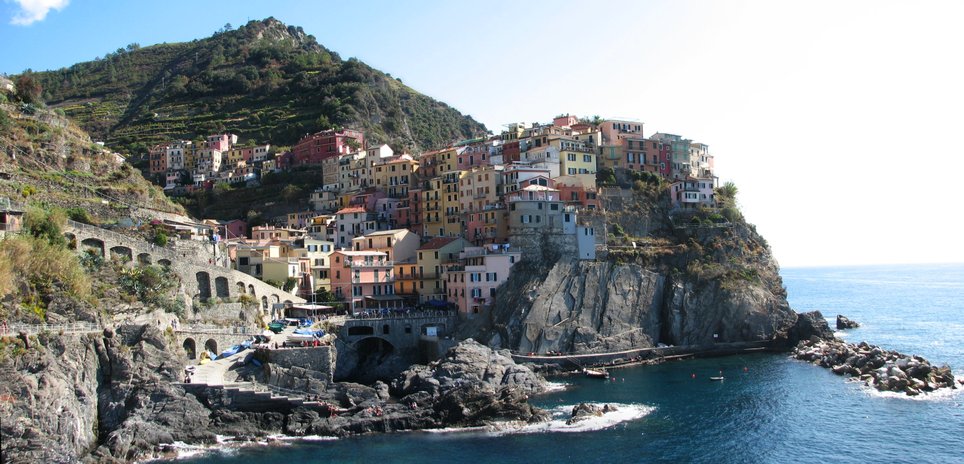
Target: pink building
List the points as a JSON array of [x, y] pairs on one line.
[[578, 190], [471, 284], [221, 142], [315, 148], [363, 279], [691, 193], [565, 120]]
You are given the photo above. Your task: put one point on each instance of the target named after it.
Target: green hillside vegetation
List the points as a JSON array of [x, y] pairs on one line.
[[48, 161], [265, 81]]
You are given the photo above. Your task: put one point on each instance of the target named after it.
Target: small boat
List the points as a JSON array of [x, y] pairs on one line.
[[717, 379], [596, 373]]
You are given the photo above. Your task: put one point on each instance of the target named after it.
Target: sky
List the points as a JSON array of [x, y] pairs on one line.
[[836, 120]]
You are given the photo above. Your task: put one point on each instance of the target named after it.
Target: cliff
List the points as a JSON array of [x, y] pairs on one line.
[[668, 279]]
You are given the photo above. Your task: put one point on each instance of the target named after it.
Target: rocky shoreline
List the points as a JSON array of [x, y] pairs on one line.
[[881, 369]]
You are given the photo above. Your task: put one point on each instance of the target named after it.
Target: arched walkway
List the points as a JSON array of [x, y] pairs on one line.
[[221, 287], [190, 347], [211, 345], [144, 258], [93, 244], [251, 290], [122, 253], [242, 290], [203, 285]]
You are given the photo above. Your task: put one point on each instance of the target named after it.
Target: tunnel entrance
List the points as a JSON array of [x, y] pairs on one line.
[[376, 360]]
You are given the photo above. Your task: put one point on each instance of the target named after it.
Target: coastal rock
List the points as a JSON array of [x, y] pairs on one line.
[[810, 326], [469, 362], [472, 385], [704, 286], [844, 323], [881, 369]]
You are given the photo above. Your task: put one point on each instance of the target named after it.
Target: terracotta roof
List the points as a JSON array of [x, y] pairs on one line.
[[437, 242], [353, 209]]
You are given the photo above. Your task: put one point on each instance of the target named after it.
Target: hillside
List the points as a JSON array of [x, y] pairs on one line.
[[266, 81], [46, 160]]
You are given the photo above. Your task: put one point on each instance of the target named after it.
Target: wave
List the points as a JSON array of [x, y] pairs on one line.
[[559, 414], [553, 387]]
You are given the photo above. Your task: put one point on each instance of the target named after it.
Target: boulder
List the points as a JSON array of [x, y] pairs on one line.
[[844, 323]]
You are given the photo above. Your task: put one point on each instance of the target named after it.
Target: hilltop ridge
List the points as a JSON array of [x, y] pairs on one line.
[[267, 80]]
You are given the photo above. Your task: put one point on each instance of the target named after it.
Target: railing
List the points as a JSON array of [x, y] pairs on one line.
[[410, 314], [369, 263], [32, 329], [213, 329]]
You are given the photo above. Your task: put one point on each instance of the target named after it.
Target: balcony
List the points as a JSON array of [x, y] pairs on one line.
[[369, 264]]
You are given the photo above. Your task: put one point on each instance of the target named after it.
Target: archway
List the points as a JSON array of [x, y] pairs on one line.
[[164, 262], [264, 302], [374, 360], [242, 290], [121, 253], [144, 258], [221, 287], [251, 290], [203, 285], [360, 330], [275, 299], [211, 345], [190, 347], [94, 244]]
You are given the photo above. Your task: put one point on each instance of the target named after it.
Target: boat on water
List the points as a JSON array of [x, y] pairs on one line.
[[717, 379], [596, 373]]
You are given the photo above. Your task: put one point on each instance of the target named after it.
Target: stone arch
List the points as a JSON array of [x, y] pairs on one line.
[[211, 345], [275, 299], [251, 290], [190, 347], [164, 262], [203, 285], [121, 252], [94, 244], [264, 302], [221, 287], [361, 330], [144, 258], [242, 290]]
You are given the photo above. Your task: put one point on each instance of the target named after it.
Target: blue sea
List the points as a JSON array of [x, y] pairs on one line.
[[770, 408]]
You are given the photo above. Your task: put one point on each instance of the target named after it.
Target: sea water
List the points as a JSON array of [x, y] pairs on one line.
[[769, 408]]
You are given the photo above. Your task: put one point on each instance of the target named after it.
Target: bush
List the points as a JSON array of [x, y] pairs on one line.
[[46, 225], [160, 238], [80, 215], [618, 230]]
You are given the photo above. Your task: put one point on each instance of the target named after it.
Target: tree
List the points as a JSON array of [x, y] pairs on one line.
[[29, 90], [726, 194]]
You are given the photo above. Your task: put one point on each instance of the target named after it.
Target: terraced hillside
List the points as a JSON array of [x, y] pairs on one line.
[[266, 81]]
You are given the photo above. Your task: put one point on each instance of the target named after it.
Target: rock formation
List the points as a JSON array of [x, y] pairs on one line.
[[882, 369], [702, 287], [844, 323]]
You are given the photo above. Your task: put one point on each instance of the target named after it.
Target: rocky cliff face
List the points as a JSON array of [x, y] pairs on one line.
[[108, 398], [687, 286]]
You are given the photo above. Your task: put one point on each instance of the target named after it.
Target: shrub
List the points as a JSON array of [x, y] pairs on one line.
[[80, 215], [47, 225], [160, 238], [618, 230]]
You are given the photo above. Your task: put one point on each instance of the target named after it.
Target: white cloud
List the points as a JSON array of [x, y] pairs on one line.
[[32, 11]]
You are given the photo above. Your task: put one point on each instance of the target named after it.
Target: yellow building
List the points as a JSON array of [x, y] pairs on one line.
[[480, 187], [395, 176], [432, 208], [575, 156], [432, 257], [451, 207]]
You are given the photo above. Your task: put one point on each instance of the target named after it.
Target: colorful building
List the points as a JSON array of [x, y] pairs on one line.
[[472, 282]]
